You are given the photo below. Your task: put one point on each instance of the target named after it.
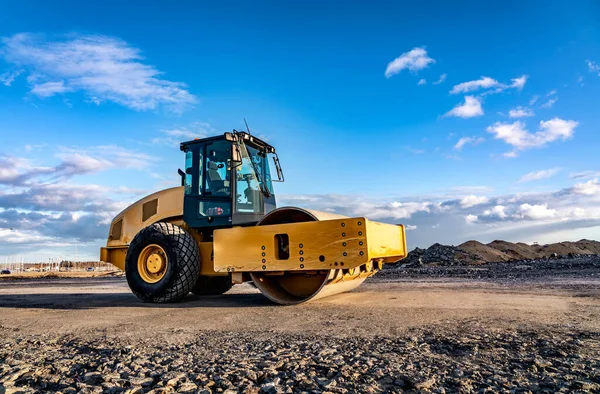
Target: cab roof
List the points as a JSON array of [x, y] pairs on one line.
[[235, 136]]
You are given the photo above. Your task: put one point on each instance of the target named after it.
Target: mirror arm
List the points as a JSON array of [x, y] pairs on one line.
[[182, 175], [278, 167]]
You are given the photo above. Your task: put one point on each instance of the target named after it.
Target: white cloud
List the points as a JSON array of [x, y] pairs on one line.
[[516, 135], [76, 163], [536, 212], [537, 175], [482, 83], [414, 60], [8, 78], [520, 112], [519, 83], [498, 212], [472, 200], [470, 218], [173, 137], [49, 89], [441, 79], [488, 83], [510, 155], [20, 172], [593, 66], [469, 109], [584, 174], [549, 103], [589, 188], [468, 140], [103, 68], [533, 100], [410, 227], [422, 81]]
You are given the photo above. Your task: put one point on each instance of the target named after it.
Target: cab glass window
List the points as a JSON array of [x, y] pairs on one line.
[[218, 166], [188, 172]]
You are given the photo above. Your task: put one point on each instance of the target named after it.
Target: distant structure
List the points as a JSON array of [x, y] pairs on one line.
[[18, 264]]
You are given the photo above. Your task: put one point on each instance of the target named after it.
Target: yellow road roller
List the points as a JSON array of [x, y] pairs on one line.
[[221, 227]]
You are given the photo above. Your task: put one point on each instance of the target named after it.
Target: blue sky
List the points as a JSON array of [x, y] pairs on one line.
[[462, 120]]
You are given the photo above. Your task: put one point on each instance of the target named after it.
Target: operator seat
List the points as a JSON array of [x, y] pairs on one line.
[[216, 184]]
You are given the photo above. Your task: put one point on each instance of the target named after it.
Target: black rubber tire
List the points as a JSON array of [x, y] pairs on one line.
[[212, 285], [183, 266]]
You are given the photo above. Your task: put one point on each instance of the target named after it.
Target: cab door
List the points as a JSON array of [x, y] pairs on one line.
[[208, 189]]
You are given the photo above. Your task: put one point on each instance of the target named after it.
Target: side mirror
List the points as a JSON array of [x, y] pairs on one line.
[[182, 175]]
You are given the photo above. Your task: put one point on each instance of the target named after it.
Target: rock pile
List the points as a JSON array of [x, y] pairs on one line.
[[474, 252], [438, 254], [538, 270]]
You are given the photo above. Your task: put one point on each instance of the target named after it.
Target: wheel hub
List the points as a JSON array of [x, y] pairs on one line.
[[155, 263], [152, 263]]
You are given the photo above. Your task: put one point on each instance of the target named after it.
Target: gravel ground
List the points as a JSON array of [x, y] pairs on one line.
[[531, 270], [468, 360], [503, 328]]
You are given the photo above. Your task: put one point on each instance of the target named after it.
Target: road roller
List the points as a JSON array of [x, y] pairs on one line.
[[222, 227]]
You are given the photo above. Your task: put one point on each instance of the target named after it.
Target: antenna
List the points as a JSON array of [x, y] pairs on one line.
[[247, 127]]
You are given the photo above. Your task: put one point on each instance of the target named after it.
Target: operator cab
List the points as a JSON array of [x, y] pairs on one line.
[[228, 181]]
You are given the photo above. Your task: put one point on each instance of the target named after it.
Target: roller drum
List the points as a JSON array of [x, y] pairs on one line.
[[295, 287]]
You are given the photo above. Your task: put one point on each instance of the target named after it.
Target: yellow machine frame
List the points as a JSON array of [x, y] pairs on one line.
[[320, 255]]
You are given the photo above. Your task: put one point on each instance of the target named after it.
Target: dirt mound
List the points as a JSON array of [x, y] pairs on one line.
[[515, 251], [485, 253], [567, 248], [474, 252]]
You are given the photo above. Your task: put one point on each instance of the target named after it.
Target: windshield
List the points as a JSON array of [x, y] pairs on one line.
[[261, 165], [253, 180]]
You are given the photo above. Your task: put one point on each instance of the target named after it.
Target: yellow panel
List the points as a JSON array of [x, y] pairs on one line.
[[115, 256], [206, 258], [169, 208], [387, 241], [328, 244]]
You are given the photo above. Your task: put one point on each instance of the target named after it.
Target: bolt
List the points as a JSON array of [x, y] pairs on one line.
[[264, 267], [361, 253], [263, 247], [301, 265], [343, 243], [301, 258]]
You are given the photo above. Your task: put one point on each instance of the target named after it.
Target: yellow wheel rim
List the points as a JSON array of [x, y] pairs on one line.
[[152, 263]]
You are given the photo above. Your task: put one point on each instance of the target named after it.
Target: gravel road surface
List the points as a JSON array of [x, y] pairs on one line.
[[526, 327]]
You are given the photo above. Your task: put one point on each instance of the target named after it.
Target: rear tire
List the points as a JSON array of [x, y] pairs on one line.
[[212, 285], [181, 268]]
